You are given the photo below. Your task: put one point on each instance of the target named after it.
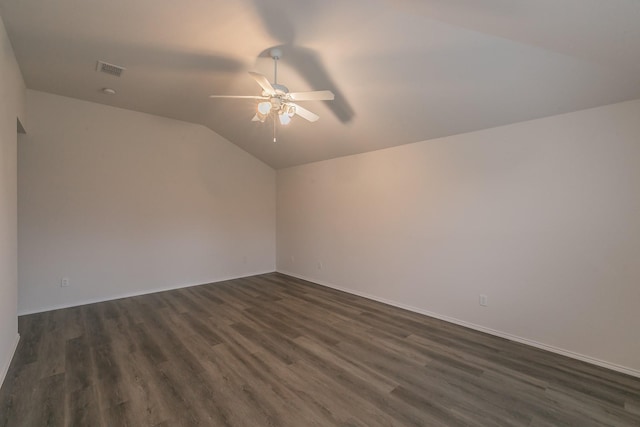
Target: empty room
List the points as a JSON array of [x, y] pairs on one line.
[[320, 213]]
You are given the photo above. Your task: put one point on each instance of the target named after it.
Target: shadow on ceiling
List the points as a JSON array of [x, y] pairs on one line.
[[304, 60]]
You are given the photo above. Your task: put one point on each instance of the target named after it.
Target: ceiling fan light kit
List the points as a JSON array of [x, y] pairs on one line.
[[264, 107], [277, 101], [285, 119]]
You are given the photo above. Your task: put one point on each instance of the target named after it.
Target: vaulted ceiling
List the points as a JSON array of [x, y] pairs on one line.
[[402, 70]]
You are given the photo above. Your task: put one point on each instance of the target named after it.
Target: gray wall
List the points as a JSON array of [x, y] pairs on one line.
[[543, 217], [11, 108], [125, 203]]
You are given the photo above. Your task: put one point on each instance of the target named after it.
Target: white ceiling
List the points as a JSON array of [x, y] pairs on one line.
[[403, 71]]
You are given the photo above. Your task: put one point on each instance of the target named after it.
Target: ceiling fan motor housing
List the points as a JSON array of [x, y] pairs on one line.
[[280, 89], [276, 103]]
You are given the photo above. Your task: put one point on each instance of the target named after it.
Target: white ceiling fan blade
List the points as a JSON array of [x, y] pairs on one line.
[[318, 95], [263, 82], [305, 114], [239, 96], [259, 118]]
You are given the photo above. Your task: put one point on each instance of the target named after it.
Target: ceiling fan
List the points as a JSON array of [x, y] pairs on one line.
[[277, 101]]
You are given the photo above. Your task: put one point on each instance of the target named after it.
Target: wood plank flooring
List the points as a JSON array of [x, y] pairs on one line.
[[272, 350]]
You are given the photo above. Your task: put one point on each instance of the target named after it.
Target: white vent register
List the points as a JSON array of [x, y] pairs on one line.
[[105, 67]]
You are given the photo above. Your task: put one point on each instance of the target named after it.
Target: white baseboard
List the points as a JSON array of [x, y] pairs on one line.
[[532, 343], [131, 294], [7, 363]]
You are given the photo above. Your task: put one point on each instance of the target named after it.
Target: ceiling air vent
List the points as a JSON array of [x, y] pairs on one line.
[[105, 67]]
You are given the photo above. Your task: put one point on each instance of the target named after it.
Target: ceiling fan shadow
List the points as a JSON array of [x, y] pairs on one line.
[[307, 62], [182, 60], [275, 21], [136, 55]]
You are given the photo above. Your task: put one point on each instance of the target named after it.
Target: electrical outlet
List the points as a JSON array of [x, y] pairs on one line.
[[319, 265], [484, 301], [293, 259], [64, 282]]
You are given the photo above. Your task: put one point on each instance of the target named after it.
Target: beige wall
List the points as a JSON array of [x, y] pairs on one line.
[[11, 107], [124, 203], [543, 217]]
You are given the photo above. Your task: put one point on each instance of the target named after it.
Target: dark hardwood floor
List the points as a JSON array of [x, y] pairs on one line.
[[272, 350]]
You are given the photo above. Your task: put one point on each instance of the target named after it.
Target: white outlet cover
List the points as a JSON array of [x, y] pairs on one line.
[[484, 300]]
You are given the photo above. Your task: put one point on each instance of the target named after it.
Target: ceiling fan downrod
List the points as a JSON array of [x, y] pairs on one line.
[[275, 54]]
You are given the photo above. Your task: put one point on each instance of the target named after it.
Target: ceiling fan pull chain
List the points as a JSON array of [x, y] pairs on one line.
[[274, 128]]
